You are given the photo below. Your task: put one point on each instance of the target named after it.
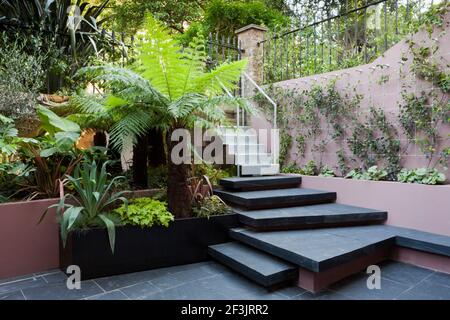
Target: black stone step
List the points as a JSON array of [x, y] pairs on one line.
[[321, 249], [264, 199], [261, 183], [319, 215], [262, 268]]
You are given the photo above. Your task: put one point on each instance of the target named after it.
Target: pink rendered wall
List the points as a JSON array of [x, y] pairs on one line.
[[25, 246], [387, 96], [415, 206]]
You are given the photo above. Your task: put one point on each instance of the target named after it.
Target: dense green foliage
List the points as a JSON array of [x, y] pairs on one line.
[[66, 42], [373, 173], [145, 212], [421, 175], [210, 206]]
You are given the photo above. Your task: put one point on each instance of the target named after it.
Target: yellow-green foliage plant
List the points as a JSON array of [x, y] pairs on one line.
[[145, 212]]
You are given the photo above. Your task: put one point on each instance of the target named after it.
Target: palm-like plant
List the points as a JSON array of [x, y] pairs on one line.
[[92, 198], [168, 88]]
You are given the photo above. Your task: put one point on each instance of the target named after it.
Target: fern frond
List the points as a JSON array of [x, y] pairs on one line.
[[226, 74]]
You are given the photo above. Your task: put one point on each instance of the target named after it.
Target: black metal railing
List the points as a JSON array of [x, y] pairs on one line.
[[221, 49], [340, 34]]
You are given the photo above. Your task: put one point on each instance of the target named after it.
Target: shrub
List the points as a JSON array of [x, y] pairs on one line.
[[145, 212], [292, 168], [210, 206], [157, 177], [310, 169], [421, 175], [22, 76], [373, 173], [326, 172]]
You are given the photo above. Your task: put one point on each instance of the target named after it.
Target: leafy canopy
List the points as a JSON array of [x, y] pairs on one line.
[[169, 86]]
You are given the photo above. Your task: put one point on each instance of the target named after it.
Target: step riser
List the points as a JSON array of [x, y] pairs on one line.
[[275, 224], [253, 184], [268, 282], [277, 202], [245, 149], [260, 170]]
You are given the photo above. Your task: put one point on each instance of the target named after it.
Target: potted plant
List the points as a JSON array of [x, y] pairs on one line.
[[141, 234]]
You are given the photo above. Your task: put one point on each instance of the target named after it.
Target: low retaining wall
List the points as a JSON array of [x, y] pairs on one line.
[[25, 246], [421, 207]]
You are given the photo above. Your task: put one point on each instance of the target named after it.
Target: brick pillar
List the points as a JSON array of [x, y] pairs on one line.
[[248, 37]]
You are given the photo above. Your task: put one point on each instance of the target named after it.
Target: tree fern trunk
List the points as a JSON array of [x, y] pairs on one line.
[[140, 163], [178, 197], [156, 146]]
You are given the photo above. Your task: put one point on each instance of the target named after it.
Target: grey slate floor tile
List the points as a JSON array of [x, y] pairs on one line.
[[61, 292], [128, 279], [57, 277], [210, 280], [140, 290], [426, 290], [186, 291], [323, 295], [113, 295], [15, 285], [290, 292], [403, 273], [14, 295], [166, 282], [355, 287], [440, 278]]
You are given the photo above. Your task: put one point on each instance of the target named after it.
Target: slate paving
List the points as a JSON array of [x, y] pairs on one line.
[[209, 280]]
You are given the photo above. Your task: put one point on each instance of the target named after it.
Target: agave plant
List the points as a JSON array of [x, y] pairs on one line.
[[89, 204], [169, 87]]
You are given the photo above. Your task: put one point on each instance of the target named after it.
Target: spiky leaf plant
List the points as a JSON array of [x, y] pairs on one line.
[[89, 204]]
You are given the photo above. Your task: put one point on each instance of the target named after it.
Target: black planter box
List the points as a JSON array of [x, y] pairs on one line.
[[184, 241]]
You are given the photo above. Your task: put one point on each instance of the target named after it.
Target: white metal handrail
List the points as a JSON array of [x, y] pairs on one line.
[[261, 90]]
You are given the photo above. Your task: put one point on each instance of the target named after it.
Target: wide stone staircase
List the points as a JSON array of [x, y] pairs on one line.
[[292, 234]]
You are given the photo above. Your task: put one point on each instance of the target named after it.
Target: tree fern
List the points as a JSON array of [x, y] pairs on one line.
[[168, 86]]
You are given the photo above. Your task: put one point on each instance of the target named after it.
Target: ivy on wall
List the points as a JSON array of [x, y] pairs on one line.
[[311, 120]]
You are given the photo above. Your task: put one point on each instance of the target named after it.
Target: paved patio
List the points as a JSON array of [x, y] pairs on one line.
[[209, 280]]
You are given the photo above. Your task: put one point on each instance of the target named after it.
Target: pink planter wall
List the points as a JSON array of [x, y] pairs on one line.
[[25, 246], [415, 206]]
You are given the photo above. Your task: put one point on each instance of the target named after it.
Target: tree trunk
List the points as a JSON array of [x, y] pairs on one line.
[[156, 147], [178, 196], [140, 163], [100, 139]]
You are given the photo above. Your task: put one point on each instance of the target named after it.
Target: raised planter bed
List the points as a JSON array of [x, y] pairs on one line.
[[409, 205], [137, 249], [27, 247]]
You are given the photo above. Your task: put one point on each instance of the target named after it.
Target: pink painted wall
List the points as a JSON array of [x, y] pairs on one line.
[[25, 246], [366, 80], [415, 206]]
